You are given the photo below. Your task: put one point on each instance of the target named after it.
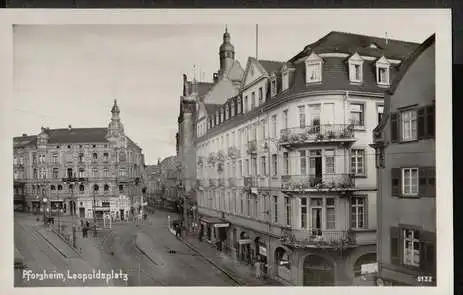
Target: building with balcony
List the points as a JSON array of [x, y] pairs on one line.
[[304, 193], [405, 144], [79, 171]]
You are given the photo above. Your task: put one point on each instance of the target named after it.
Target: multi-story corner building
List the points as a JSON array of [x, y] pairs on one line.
[[79, 171], [197, 95], [405, 143], [285, 170]]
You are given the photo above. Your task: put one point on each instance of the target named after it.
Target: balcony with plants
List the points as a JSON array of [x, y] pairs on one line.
[[233, 152], [318, 238], [316, 134], [325, 182]]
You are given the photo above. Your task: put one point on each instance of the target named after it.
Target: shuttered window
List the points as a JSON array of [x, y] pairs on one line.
[[426, 122]]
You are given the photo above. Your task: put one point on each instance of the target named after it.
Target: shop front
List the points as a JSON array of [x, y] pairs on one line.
[[214, 230]]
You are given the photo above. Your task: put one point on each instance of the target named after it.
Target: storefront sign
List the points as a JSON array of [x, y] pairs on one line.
[[245, 241], [263, 250], [222, 225], [369, 268]]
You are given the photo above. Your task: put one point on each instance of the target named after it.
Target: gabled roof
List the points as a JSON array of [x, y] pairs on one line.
[[271, 66], [350, 43]]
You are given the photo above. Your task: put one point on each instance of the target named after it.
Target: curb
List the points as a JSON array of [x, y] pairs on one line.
[[49, 242], [144, 253]]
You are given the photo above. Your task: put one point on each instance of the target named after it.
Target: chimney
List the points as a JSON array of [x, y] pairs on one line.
[[24, 134], [215, 77], [69, 127]]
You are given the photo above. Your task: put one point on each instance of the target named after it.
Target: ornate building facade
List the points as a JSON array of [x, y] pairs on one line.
[[284, 169], [85, 172]]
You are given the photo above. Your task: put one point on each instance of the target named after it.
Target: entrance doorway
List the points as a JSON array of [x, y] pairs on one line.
[[121, 213], [82, 212]]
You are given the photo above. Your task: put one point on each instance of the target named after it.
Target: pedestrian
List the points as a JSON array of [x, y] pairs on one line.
[[258, 269]]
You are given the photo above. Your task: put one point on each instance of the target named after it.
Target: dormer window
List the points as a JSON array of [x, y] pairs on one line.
[[285, 80], [382, 71], [273, 85], [313, 66], [227, 112], [356, 68]]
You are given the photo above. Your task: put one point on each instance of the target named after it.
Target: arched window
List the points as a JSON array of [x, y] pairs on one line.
[[52, 187], [60, 187], [106, 187], [121, 188], [96, 187], [81, 187], [95, 156], [122, 156]]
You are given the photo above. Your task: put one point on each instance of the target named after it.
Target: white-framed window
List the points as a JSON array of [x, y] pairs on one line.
[[358, 212], [330, 213], [285, 80], [356, 68], [410, 181], [273, 85], [288, 210], [81, 172], [303, 212], [301, 116], [106, 172], [382, 71], [275, 165], [380, 112], [408, 124], [261, 95], [411, 247], [329, 162], [357, 116], [285, 163], [275, 209], [314, 72], [285, 119], [94, 172], [274, 126], [358, 161]]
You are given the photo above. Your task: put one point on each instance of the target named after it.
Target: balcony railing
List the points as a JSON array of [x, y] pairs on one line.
[[317, 134], [251, 181], [311, 182], [232, 182], [233, 152], [252, 147], [213, 182], [316, 238]]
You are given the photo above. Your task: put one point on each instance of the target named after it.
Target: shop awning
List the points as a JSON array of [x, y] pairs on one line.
[[216, 222]]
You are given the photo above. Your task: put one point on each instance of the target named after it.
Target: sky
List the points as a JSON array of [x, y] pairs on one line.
[[70, 74]]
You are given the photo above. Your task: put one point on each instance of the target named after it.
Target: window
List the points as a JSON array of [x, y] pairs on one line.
[[329, 162], [274, 126], [314, 72], [96, 188], [54, 158], [275, 165], [232, 108], [52, 187], [285, 119], [285, 81], [254, 166], [246, 167], [60, 187], [122, 172], [42, 159], [315, 110], [411, 247], [70, 173], [380, 111], [242, 205], [238, 111], [285, 163], [105, 157], [355, 72], [382, 74], [356, 114], [273, 86], [358, 212], [81, 188], [94, 172], [55, 172], [106, 187], [121, 188], [253, 100], [240, 164], [263, 166], [303, 163], [43, 173], [34, 158], [410, 181], [248, 207], [106, 172], [245, 106], [227, 112], [275, 209], [301, 116], [261, 95], [303, 212], [409, 125], [358, 162], [288, 210], [256, 205], [81, 172], [330, 214]]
